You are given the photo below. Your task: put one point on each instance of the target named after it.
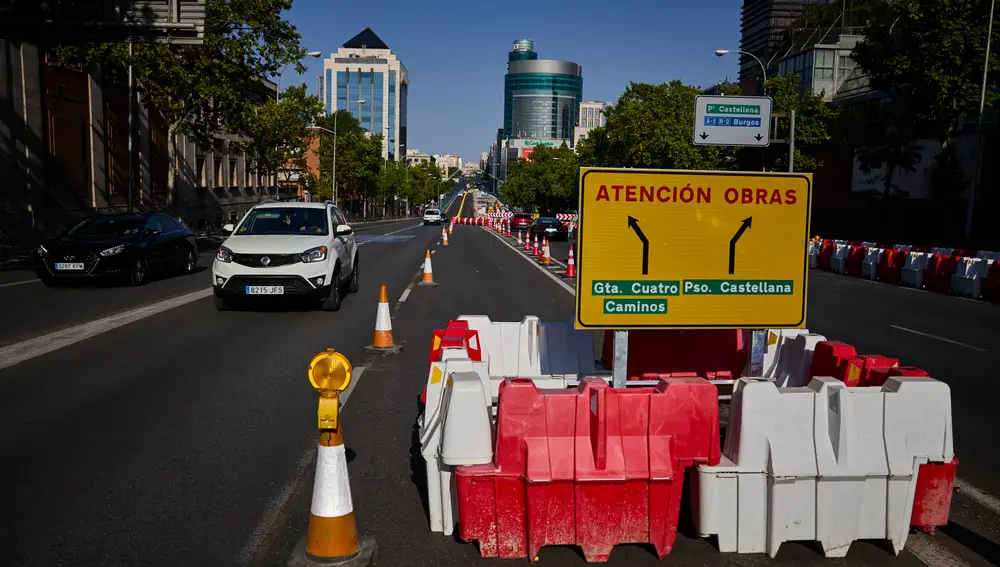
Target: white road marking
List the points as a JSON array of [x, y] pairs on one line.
[[538, 267], [391, 233], [406, 293], [932, 553], [942, 339], [979, 496], [31, 348], [11, 284], [275, 510]]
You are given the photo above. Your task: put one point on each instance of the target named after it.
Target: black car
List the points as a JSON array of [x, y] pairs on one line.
[[550, 227], [126, 246]]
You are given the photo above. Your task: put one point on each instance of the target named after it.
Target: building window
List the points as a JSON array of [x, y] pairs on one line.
[[217, 170], [353, 93], [342, 88], [392, 113], [378, 101], [232, 173], [824, 65], [329, 91], [199, 166]]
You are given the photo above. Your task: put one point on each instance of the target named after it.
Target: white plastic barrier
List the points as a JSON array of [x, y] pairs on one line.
[[912, 274], [777, 340], [943, 251], [822, 463], [988, 255], [838, 262], [794, 360], [814, 248], [869, 268], [903, 247], [967, 281]]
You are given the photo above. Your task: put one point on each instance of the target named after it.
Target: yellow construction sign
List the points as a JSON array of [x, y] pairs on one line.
[[661, 249]]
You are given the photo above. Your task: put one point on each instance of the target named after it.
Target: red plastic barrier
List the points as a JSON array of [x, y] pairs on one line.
[[964, 252], [711, 353], [937, 274], [456, 334], [890, 266], [855, 258], [592, 467], [932, 497], [991, 289]]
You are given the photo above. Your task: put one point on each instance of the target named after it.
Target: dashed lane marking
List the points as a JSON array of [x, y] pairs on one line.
[[937, 338], [406, 294], [12, 284]]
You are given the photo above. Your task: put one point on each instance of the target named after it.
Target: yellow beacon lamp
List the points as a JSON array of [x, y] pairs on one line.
[[330, 373]]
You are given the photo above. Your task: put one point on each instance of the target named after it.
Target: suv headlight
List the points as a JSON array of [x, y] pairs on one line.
[[317, 254], [42, 251], [113, 250], [224, 254]]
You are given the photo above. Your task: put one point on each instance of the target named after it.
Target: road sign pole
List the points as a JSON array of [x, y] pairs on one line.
[[619, 365], [791, 141], [758, 346]]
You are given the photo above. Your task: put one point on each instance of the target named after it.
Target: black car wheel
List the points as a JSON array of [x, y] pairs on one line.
[[355, 283], [190, 261], [139, 271], [333, 301]]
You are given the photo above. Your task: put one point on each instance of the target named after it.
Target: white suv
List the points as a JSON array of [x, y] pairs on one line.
[[432, 216], [288, 249]]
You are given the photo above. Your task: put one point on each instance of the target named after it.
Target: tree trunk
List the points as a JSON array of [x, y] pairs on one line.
[[171, 164]]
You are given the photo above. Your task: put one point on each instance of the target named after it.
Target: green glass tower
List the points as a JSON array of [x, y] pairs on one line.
[[541, 96]]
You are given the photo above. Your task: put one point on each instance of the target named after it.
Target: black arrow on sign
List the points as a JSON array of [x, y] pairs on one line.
[[634, 225], [732, 243], [703, 135], [758, 136]]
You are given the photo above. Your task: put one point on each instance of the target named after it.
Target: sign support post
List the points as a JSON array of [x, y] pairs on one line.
[[619, 368]]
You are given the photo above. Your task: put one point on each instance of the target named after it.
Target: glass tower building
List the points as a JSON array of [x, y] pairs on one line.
[[541, 96], [366, 79]]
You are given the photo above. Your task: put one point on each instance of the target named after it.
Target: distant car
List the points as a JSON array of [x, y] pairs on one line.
[[125, 246], [432, 216], [550, 227], [444, 217], [520, 221], [302, 250]]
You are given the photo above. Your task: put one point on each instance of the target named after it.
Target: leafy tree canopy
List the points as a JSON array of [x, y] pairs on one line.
[[548, 181], [813, 121], [281, 134]]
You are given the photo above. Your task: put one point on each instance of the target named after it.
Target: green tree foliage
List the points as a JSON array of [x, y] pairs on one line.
[[281, 134], [650, 126], [548, 181], [359, 158], [813, 121], [202, 89]]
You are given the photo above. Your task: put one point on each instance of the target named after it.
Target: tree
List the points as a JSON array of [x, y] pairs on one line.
[[203, 89], [650, 126], [549, 180], [813, 120], [359, 159], [281, 135], [928, 58]]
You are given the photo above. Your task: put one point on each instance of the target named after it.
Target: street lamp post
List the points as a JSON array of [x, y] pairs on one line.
[[763, 70], [979, 127]]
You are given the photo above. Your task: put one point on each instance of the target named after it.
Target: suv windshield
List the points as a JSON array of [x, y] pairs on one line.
[[273, 220], [107, 226], [432, 212]]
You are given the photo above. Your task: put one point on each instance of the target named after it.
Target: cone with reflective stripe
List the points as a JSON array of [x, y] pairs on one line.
[[527, 242], [444, 236], [383, 342], [570, 264], [451, 226], [428, 272], [536, 251], [520, 242], [546, 258]]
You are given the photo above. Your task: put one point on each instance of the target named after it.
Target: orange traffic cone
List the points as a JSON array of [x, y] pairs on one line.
[[383, 343], [536, 251], [570, 264], [546, 258], [451, 226], [444, 236], [428, 272], [527, 243], [520, 242]]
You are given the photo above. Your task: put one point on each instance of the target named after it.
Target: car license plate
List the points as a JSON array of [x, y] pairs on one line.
[[265, 290], [550, 230], [69, 266]]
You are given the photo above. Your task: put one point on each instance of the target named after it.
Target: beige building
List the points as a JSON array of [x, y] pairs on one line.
[[591, 116]]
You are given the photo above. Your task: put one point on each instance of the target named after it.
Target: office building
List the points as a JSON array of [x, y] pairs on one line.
[[541, 96], [763, 28], [415, 157], [591, 116], [365, 78]]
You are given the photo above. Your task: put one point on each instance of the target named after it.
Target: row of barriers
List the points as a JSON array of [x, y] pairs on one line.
[[966, 273], [526, 444]]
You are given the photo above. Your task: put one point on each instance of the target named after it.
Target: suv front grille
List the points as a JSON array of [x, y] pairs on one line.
[[273, 260]]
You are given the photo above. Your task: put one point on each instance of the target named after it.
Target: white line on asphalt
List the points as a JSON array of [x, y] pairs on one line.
[[942, 339], [391, 233], [532, 262], [31, 348], [984, 499], [406, 293], [11, 284], [276, 509], [932, 553]]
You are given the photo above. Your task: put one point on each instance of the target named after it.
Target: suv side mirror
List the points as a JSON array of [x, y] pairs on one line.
[[343, 230], [228, 228]]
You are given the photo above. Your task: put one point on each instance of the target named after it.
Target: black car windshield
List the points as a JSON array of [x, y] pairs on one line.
[[107, 226], [548, 220], [273, 220]]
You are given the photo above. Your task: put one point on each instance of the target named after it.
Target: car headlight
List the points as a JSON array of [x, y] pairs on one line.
[[317, 254], [113, 250], [224, 254], [42, 251]]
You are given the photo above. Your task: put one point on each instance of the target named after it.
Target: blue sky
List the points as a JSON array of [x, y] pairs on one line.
[[456, 51]]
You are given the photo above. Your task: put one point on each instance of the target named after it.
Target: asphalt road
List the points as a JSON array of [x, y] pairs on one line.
[[188, 437]]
